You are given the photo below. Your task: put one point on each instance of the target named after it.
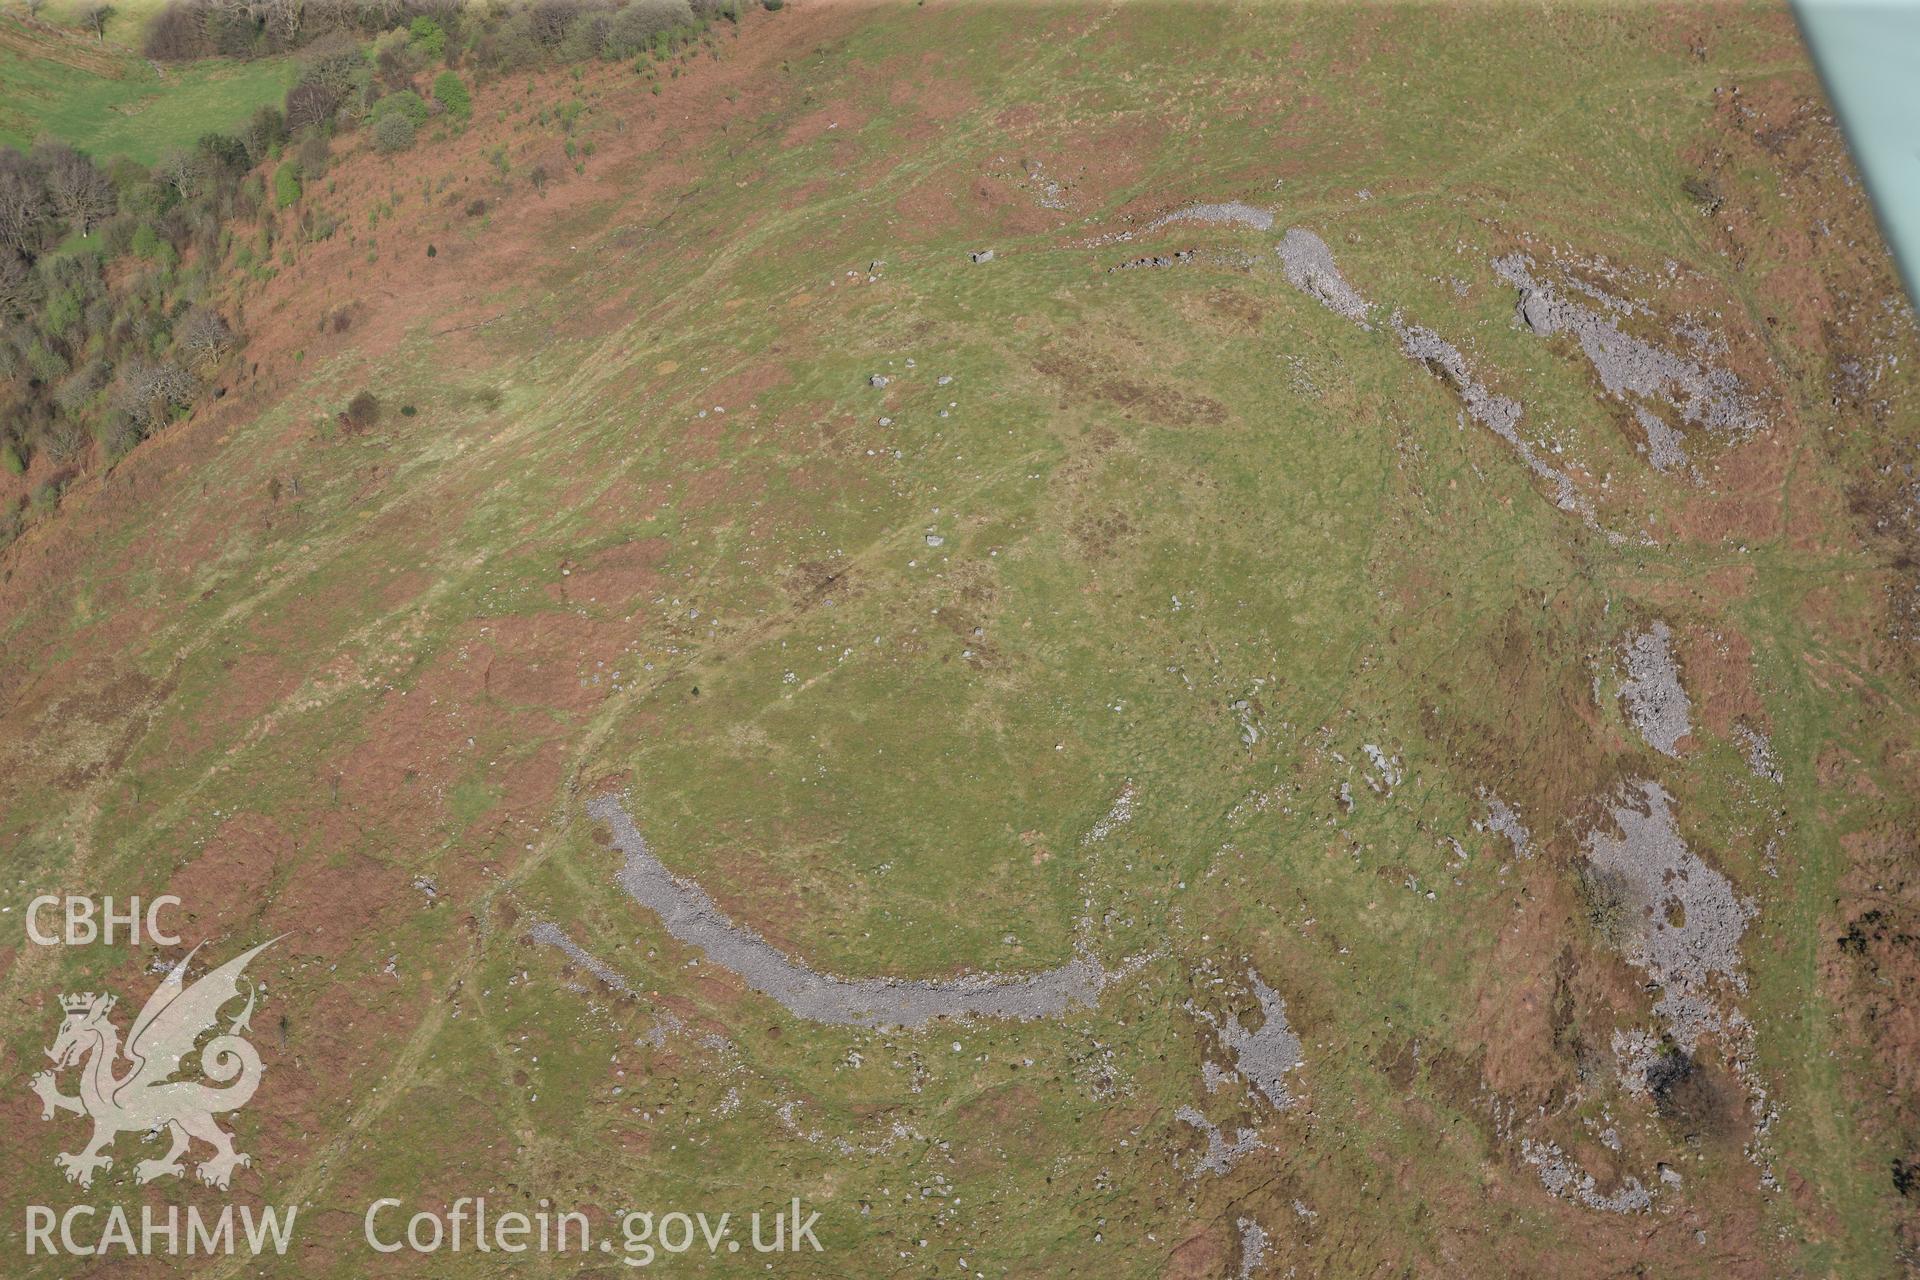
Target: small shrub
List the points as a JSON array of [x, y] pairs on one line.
[[145, 242], [61, 313], [394, 133], [44, 363], [406, 103], [1603, 896], [10, 460], [117, 437], [1704, 192], [362, 412], [286, 186], [312, 156], [476, 208], [427, 36], [451, 92]]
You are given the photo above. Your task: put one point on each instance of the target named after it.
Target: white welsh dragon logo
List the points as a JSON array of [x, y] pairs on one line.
[[146, 1098]]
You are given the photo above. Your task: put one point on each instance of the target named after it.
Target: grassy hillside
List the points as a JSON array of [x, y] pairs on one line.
[[939, 616]]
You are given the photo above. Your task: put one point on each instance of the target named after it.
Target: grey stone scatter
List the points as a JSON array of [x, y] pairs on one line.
[[1265, 1056], [1309, 267], [692, 917], [1253, 1247], [1656, 702], [1562, 1177], [1229, 213], [1116, 817], [1630, 366], [1684, 920], [1640, 1057], [549, 934], [1502, 820], [1499, 414], [1666, 448], [1759, 752], [878, 380], [1221, 1155], [1391, 770]]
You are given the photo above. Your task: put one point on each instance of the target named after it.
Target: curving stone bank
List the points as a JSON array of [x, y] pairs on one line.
[[693, 917]]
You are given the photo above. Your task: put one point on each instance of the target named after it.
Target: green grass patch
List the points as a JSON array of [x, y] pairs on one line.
[[119, 105]]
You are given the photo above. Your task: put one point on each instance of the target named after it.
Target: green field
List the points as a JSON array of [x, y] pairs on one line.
[[127, 28], [109, 102]]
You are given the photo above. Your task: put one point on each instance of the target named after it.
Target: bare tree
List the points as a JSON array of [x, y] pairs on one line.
[[184, 171], [205, 335], [310, 103], [19, 286], [551, 18], [78, 191], [23, 208], [96, 16], [34, 7], [284, 19], [147, 393], [72, 395], [65, 439]]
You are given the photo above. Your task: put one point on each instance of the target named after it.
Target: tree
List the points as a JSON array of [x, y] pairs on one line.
[[335, 61], [20, 287], [205, 336], [23, 208], [96, 16], [283, 21], [184, 171], [224, 153], [267, 130], [311, 103], [147, 393], [79, 193], [551, 18]]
